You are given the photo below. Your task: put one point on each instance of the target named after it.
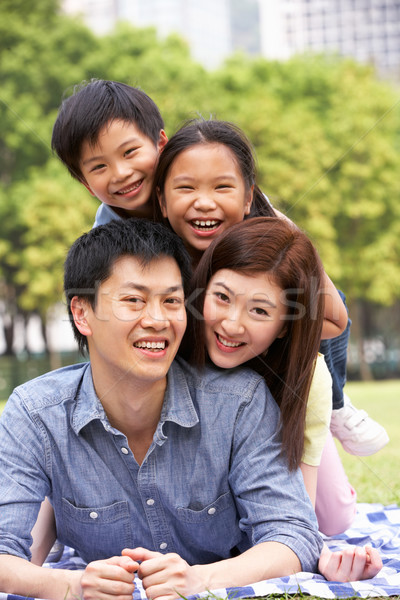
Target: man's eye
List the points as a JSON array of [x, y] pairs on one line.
[[176, 301]]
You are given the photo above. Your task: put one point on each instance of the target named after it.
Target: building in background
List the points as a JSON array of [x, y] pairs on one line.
[[367, 30], [204, 25]]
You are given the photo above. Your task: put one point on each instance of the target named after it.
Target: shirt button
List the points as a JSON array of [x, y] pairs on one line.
[[124, 450], [163, 545], [212, 511], [150, 501], [93, 515]]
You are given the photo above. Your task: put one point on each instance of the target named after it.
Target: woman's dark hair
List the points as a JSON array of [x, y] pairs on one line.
[[213, 131], [274, 246]]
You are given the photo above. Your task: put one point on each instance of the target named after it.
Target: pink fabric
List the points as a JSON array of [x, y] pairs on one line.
[[335, 504]]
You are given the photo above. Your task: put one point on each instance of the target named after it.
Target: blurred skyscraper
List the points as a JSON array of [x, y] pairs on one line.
[[205, 24], [367, 30]]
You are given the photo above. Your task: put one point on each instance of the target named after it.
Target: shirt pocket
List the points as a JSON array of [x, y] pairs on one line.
[[97, 532], [214, 527]]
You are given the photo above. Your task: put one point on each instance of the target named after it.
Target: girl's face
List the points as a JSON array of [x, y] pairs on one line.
[[243, 315], [204, 194]]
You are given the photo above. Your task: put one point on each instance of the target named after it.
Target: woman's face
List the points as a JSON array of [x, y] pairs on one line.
[[243, 315], [204, 194]]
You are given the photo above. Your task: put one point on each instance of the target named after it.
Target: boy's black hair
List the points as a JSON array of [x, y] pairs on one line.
[[92, 256], [93, 105]]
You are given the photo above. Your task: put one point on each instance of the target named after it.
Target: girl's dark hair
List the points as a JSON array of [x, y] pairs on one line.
[[274, 246], [213, 131]]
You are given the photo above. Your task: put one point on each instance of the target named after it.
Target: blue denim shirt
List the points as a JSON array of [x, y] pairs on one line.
[[213, 480]]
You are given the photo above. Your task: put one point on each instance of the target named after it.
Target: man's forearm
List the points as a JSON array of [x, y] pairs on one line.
[[18, 576], [263, 561]]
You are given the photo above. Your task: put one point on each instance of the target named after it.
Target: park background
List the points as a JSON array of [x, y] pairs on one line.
[[325, 128]]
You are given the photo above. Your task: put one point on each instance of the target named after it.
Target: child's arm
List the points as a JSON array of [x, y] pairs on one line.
[[43, 533], [335, 316]]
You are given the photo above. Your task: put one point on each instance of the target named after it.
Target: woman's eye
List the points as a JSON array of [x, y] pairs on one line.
[[222, 296]]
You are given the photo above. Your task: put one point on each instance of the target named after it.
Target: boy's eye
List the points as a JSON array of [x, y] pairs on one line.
[[130, 151], [97, 167]]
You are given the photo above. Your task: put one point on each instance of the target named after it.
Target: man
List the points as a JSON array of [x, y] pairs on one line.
[[150, 466]]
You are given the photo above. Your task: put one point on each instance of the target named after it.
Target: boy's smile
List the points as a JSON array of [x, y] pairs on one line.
[[119, 168]]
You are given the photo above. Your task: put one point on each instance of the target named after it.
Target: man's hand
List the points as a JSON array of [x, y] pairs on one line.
[[165, 576], [352, 564], [108, 579]]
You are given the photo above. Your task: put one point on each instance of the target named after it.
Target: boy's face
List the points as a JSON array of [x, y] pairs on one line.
[[119, 168], [137, 325]]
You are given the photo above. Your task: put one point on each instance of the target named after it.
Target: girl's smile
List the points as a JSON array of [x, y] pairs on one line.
[[204, 194]]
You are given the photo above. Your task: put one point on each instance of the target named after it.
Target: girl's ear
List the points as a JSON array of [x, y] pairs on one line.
[[249, 200], [160, 197], [283, 332], [79, 309]]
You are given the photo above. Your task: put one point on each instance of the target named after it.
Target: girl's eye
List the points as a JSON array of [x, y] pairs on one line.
[[221, 296], [224, 186], [184, 187]]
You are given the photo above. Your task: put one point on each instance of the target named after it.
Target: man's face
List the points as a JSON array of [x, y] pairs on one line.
[[139, 320], [119, 168]]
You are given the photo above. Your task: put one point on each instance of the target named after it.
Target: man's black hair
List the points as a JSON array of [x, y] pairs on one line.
[[92, 256], [94, 105]]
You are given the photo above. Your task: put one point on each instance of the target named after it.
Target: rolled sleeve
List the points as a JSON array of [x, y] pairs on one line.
[[272, 501]]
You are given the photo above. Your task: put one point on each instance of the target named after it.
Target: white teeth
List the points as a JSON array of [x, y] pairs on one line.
[[205, 224], [150, 345], [133, 187], [229, 344]]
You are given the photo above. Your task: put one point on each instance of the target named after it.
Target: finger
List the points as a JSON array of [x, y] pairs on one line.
[[140, 554], [126, 562], [330, 565]]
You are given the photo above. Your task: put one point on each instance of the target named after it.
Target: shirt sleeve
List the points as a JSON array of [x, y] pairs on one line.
[[104, 215], [23, 480], [318, 416], [272, 501]]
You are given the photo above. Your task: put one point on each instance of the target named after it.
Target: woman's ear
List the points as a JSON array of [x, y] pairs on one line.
[[161, 202], [249, 200], [79, 309]]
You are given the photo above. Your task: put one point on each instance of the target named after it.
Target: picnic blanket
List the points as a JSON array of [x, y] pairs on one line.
[[374, 524]]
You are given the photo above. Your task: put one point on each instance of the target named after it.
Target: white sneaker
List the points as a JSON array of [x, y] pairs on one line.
[[356, 431]]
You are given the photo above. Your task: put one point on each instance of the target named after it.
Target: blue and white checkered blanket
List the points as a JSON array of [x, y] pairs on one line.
[[374, 524]]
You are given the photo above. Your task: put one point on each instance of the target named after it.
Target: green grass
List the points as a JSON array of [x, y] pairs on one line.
[[376, 477]]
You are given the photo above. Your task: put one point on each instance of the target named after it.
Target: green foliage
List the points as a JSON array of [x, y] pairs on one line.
[[325, 130]]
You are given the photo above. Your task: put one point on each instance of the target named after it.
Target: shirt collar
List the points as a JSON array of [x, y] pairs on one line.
[[177, 407]]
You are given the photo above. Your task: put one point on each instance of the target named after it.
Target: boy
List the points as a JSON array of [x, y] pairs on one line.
[[109, 136], [183, 474]]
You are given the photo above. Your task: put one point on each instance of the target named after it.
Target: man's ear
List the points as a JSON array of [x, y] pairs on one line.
[[79, 309], [249, 200], [162, 140], [161, 202]]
